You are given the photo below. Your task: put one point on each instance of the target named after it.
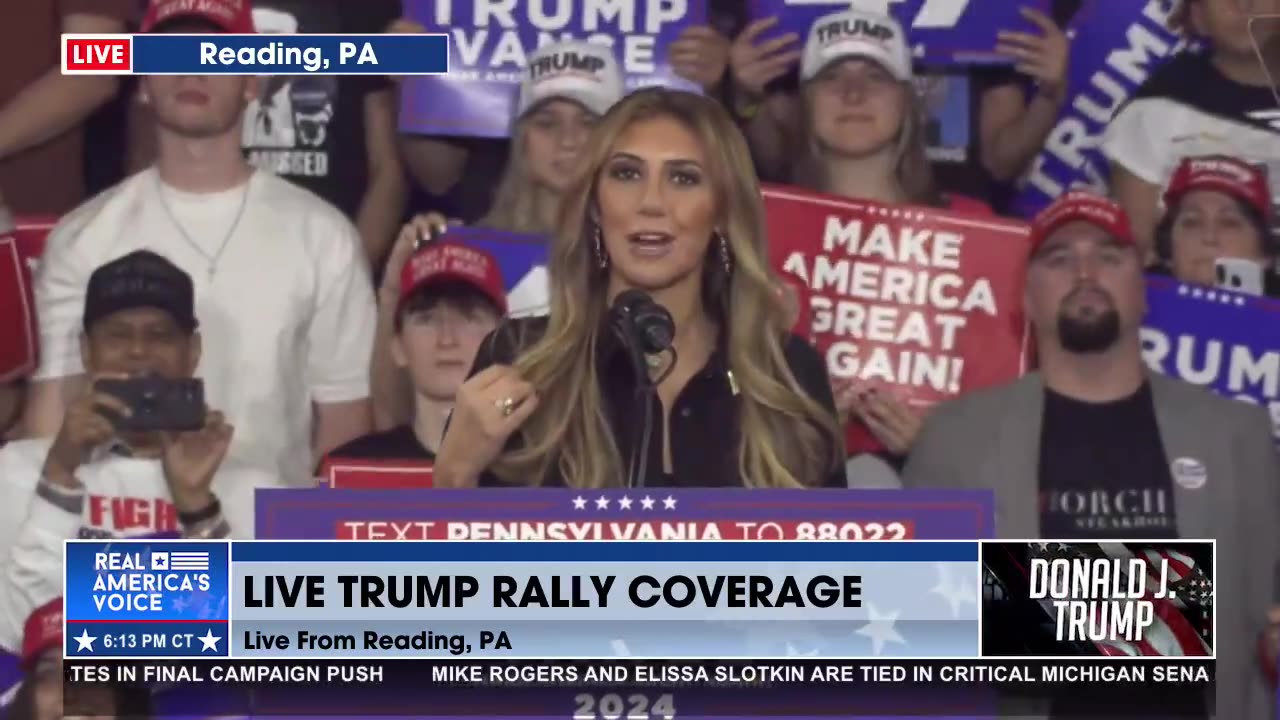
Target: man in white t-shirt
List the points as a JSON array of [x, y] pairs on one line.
[[104, 476], [283, 290]]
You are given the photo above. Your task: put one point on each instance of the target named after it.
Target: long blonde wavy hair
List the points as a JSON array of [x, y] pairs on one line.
[[516, 202], [788, 439], [912, 168]]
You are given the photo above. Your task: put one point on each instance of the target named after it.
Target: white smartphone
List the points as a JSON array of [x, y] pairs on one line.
[[1241, 275]]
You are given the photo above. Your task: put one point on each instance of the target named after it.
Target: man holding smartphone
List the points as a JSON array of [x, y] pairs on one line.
[[137, 454]]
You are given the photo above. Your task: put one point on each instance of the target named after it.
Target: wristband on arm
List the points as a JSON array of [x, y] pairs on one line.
[[203, 515]]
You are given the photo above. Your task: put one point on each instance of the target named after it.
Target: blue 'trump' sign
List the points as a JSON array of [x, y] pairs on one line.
[[942, 32], [1115, 46], [490, 41], [1226, 341]]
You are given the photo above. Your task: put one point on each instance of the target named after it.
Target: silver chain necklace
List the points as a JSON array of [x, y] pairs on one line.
[[212, 260]]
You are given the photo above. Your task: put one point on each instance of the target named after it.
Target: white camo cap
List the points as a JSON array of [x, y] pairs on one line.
[[586, 73], [856, 34]]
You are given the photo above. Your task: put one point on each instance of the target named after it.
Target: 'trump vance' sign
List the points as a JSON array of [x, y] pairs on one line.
[[491, 41]]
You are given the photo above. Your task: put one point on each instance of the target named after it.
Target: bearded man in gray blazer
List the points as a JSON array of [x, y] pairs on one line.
[[1094, 446]]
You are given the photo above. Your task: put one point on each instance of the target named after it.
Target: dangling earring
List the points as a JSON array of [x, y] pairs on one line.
[[602, 258], [726, 256]]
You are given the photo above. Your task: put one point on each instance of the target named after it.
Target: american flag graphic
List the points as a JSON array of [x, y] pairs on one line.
[[1183, 624]]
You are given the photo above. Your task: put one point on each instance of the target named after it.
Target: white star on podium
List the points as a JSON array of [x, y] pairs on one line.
[[625, 503], [84, 640], [647, 503], [579, 503], [602, 502], [208, 641], [669, 503]]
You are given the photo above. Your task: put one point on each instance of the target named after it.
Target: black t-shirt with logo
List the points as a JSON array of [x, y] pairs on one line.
[[310, 129], [1103, 470]]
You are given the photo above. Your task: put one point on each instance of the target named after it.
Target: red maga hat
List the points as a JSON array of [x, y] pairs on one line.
[[1084, 206], [42, 632], [231, 16], [1237, 178], [449, 261]]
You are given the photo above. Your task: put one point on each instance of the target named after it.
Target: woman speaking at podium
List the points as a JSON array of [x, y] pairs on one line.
[[663, 307]]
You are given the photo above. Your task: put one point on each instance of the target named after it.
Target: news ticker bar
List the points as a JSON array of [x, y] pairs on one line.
[[532, 600], [668, 690], [263, 54]]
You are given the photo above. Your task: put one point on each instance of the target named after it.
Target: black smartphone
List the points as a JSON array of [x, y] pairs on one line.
[[158, 403]]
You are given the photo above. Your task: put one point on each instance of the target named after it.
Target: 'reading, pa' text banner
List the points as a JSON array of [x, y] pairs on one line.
[[259, 54], [689, 629]]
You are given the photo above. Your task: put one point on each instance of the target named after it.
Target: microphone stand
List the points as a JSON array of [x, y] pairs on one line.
[[646, 394], [643, 326]]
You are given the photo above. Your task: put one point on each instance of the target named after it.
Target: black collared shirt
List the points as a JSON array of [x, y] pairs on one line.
[[704, 431]]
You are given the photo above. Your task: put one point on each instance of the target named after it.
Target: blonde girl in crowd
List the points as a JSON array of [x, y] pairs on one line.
[[860, 134]]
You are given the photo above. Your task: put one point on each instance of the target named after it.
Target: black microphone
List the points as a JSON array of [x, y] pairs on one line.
[[646, 321], [645, 328]]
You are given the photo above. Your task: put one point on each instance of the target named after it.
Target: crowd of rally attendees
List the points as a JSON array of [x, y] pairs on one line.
[[294, 255]]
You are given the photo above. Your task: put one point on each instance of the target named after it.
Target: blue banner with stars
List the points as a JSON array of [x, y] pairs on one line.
[[146, 598], [919, 606], [534, 600]]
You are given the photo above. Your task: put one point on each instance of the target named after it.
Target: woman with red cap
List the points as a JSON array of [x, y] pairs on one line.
[[1216, 230]]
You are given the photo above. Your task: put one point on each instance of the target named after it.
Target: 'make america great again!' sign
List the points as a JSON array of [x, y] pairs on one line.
[[924, 302]]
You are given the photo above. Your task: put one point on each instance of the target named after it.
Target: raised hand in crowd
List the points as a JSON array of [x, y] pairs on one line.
[[700, 55], [190, 460], [753, 66], [85, 426], [1014, 127], [891, 420], [392, 392], [404, 26], [420, 228], [1044, 58], [489, 408]]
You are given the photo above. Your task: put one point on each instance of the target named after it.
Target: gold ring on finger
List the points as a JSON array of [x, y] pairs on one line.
[[506, 406]]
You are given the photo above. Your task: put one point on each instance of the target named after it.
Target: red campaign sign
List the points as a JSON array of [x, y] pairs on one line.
[[32, 232], [19, 349], [19, 339], [343, 474], [923, 301]]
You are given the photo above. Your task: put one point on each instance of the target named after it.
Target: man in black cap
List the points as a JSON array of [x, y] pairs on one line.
[[95, 480]]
